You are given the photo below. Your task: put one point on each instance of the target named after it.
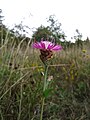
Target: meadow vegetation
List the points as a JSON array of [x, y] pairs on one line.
[[21, 81], [22, 76]]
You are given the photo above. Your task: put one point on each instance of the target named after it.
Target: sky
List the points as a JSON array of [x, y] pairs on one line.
[[72, 14]]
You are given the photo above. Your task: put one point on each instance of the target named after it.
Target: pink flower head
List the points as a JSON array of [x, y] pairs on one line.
[[46, 49], [46, 45]]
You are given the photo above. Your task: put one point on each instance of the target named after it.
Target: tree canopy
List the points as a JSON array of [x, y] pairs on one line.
[[52, 31]]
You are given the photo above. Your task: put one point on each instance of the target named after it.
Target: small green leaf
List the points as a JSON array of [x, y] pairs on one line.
[[81, 85], [47, 92]]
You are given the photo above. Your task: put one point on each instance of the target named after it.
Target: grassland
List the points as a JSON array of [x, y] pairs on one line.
[[21, 83]]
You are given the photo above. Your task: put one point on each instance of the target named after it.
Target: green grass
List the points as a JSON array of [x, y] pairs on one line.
[[21, 83]]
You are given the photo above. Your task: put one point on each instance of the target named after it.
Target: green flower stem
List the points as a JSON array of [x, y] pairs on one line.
[[43, 100], [45, 78], [44, 88]]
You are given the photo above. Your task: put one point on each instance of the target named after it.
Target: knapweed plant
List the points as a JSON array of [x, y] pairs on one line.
[[46, 52]]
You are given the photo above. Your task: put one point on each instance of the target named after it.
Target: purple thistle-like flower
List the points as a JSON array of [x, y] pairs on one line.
[[46, 49], [46, 45]]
